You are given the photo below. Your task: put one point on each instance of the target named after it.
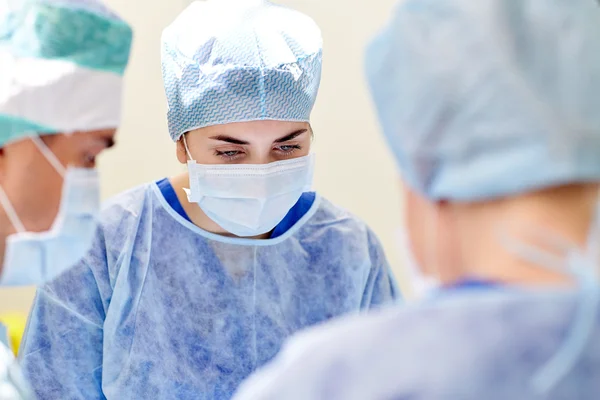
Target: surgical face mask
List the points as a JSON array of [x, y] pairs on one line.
[[421, 284], [33, 258], [247, 199]]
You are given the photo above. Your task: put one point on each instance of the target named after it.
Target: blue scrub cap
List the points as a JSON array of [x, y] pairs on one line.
[[481, 99], [62, 65], [229, 61]]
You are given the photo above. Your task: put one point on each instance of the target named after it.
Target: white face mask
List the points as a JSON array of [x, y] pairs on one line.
[[422, 285], [33, 258], [247, 199]]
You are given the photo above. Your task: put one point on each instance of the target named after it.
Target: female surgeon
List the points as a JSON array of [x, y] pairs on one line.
[[195, 281]]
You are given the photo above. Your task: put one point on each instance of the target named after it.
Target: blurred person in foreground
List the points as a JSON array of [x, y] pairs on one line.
[[490, 108]]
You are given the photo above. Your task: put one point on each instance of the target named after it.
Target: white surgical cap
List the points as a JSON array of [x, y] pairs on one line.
[[229, 61], [481, 99], [62, 65]]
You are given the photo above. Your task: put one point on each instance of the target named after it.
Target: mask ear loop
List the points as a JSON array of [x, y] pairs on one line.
[[581, 265], [191, 195], [187, 150], [49, 155]]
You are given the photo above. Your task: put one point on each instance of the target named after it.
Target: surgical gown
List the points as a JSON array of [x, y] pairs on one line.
[[472, 346], [161, 309]]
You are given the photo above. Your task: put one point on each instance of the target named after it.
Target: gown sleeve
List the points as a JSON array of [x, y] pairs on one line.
[[61, 352], [381, 287]]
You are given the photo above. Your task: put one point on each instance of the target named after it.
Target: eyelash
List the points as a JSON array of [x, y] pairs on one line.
[[232, 155], [226, 154], [291, 149]]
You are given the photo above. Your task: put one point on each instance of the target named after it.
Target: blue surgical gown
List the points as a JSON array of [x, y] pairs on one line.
[[160, 309], [473, 345]]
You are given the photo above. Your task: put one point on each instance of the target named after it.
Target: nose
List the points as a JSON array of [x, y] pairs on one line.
[[261, 156]]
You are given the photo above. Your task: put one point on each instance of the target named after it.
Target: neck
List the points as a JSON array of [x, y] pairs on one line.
[[484, 231], [195, 213]]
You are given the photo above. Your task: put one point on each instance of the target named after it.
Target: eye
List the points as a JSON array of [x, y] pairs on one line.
[[287, 149], [229, 155]]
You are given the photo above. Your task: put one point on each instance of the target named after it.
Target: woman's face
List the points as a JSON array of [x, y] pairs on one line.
[[254, 142]]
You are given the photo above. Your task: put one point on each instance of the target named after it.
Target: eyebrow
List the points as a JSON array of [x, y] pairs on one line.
[[232, 140], [291, 136], [229, 139]]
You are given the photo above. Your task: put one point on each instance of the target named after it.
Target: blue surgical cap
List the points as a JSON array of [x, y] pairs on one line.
[[229, 61], [61, 67], [482, 99]]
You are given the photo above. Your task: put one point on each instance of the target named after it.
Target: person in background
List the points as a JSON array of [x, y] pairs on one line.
[[194, 281], [61, 67], [490, 108]]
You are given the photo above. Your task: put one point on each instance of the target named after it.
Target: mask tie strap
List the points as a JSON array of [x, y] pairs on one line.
[[580, 265], [11, 212]]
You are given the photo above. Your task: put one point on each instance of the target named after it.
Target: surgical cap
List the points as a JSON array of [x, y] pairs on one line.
[[229, 61], [489, 98], [62, 65]]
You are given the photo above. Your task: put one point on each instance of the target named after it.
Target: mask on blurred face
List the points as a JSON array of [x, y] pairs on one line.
[[33, 258]]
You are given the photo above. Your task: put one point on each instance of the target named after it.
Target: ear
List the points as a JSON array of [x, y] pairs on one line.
[[181, 153]]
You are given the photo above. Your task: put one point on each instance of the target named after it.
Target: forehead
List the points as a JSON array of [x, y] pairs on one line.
[[250, 131], [102, 135], [81, 140]]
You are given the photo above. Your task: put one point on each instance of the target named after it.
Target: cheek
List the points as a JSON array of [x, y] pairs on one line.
[[35, 194], [306, 146], [304, 151], [68, 149]]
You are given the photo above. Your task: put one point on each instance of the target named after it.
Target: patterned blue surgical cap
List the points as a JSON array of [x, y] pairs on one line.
[[480, 99], [229, 61]]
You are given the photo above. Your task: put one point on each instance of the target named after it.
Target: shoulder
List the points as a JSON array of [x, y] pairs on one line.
[[126, 206], [129, 201], [329, 212], [118, 223], [329, 216], [341, 229]]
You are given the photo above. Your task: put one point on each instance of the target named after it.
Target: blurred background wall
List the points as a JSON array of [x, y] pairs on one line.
[[354, 168]]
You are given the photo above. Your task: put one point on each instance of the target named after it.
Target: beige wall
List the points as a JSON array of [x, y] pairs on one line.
[[354, 168]]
